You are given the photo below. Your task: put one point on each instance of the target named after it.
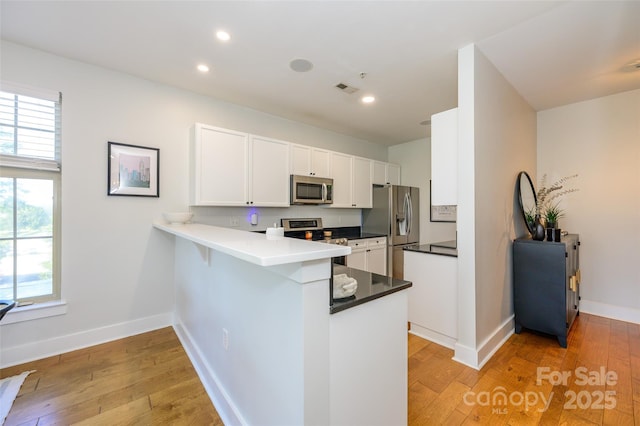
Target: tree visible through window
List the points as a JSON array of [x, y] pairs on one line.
[[29, 187]]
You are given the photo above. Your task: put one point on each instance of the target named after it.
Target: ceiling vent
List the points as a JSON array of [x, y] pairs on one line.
[[346, 88]]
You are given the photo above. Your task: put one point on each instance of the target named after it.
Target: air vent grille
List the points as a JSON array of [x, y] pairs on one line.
[[346, 88]]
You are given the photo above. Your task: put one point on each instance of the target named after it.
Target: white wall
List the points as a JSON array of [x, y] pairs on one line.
[[600, 141], [116, 270], [497, 140], [415, 160]]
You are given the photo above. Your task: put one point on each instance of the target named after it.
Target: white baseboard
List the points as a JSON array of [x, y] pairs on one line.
[[433, 336], [218, 396], [620, 313], [71, 342], [478, 357], [495, 341], [466, 355]]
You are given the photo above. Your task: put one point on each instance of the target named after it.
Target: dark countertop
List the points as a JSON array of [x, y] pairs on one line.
[[348, 232], [370, 287], [444, 248]]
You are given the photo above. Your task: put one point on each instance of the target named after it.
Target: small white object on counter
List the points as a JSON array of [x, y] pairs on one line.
[[276, 231], [344, 286], [177, 218]]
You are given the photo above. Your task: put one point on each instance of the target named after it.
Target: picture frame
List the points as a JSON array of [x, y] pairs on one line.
[[441, 213], [133, 170]]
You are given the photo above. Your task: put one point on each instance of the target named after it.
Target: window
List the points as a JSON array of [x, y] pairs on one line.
[[29, 194]]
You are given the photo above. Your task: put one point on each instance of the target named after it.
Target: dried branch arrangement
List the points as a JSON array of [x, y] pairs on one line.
[[546, 194]]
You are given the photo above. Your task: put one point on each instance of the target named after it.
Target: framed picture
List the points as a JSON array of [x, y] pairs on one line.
[[133, 170], [441, 213]]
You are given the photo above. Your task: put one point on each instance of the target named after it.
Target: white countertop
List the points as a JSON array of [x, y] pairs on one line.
[[255, 247]]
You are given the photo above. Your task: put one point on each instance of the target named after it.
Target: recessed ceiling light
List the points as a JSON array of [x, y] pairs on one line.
[[223, 35], [368, 99], [300, 65], [203, 68]]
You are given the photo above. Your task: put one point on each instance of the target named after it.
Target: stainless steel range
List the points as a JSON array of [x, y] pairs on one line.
[[310, 229]]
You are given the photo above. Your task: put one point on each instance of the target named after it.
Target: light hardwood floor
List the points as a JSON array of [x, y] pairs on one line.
[[145, 379], [148, 379], [442, 391]]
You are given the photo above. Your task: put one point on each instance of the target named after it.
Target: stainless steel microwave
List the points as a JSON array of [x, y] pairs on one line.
[[311, 190]]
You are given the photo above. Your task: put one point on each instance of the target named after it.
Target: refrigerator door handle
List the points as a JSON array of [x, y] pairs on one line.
[[409, 213], [406, 216]]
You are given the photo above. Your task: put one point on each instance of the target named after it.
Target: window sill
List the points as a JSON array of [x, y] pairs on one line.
[[35, 311]]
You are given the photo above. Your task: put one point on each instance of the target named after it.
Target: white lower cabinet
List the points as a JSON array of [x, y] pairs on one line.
[[369, 254], [433, 298]]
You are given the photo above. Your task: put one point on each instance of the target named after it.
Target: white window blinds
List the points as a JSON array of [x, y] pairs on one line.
[[29, 127]]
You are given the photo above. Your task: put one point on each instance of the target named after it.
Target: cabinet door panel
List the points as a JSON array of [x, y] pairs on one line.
[[341, 171], [379, 173], [221, 167], [377, 260], [300, 160], [269, 172], [357, 259], [320, 162], [444, 162], [362, 189], [393, 174]]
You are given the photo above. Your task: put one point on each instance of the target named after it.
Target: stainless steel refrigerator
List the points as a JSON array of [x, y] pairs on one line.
[[395, 212]]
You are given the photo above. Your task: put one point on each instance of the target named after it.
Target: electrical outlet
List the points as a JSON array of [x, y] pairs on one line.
[[225, 339], [234, 221]]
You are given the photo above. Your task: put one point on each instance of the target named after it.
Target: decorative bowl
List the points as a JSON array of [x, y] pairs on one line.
[[177, 218]]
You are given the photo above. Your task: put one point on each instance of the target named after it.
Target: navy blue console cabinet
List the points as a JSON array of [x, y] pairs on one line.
[[546, 281]]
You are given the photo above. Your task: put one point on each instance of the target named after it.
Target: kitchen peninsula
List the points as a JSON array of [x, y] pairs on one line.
[[253, 313]]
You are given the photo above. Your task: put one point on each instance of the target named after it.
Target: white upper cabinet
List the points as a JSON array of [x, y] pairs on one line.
[[230, 168], [393, 174], [385, 173], [309, 161], [444, 158], [341, 172], [219, 167], [362, 192], [269, 176], [351, 181]]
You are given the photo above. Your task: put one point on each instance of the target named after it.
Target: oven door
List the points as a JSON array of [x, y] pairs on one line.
[[340, 260]]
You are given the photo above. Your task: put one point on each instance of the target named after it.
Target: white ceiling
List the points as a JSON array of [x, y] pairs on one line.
[[553, 52]]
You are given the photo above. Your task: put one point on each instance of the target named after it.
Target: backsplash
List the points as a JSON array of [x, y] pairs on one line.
[[240, 217]]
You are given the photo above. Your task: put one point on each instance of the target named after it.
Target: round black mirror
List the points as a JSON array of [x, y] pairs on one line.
[[527, 199]]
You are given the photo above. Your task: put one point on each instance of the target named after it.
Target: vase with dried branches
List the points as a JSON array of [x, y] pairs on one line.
[[545, 207]]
